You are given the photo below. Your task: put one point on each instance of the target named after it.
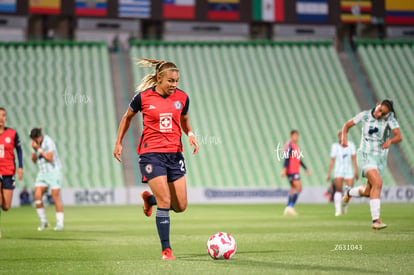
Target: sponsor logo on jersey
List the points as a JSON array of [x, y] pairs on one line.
[[177, 105], [152, 107], [166, 122], [7, 139]]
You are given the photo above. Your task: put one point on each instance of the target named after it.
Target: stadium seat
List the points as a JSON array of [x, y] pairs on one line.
[[33, 83]]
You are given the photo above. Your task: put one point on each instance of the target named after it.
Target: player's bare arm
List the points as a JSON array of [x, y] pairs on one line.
[[397, 138], [185, 125], [347, 126], [123, 127]]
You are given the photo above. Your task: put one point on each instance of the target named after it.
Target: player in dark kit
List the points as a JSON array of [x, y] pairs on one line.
[[165, 113], [291, 167], [9, 140]]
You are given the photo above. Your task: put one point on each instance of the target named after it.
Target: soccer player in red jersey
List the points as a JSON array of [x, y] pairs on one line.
[[9, 140], [293, 160], [165, 114]]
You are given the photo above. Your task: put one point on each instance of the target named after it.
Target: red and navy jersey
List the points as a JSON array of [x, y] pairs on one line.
[[161, 118], [293, 158], [9, 140]]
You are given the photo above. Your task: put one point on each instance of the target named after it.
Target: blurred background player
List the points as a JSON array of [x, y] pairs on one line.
[[25, 197], [293, 160], [346, 170], [377, 125], [50, 176], [165, 113], [9, 140]]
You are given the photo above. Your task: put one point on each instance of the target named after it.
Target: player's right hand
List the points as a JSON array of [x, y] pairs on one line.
[[328, 178], [117, 152]]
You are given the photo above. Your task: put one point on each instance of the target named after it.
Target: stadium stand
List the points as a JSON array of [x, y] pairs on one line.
[[245, 99], [69, 85], [389, 65]]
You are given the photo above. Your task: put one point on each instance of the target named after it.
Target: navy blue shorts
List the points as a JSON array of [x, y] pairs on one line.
[[292, 177], [7, 182], [154, 165]]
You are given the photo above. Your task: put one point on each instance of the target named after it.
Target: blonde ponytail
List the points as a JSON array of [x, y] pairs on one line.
[[150, 80]]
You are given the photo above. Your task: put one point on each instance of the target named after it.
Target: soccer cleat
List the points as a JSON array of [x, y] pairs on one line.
[[43, 226], [337, 214], [147, 207], [58, 228], [378, 225], [290, 211], [167, 254]]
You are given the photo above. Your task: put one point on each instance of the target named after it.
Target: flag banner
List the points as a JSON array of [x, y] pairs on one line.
[[269, 10], [226, 10], [8, 6], [312, 10], [134, 8], [356, 11], [178, 9], [399, 12], [91, 8], [44, 6]]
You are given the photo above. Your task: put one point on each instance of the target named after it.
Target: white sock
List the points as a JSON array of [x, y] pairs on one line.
[[337, 201], [42, 214], [59, 218], [354, 192], [375, 206]]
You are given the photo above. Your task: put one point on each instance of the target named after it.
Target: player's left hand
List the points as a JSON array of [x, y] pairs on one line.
[[194, 142], [356, 176], [35, 145], [307, 172], [386, 144], [20, 173]]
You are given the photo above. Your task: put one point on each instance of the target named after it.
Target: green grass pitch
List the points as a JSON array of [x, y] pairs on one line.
[[121, 240]]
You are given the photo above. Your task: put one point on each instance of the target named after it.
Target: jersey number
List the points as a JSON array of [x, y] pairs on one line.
[[182, 165]]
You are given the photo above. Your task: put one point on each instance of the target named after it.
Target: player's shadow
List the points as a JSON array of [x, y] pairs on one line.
[[196, 256], [259, 252]]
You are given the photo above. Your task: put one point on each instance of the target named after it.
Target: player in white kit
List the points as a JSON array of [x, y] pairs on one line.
[[344, 159]]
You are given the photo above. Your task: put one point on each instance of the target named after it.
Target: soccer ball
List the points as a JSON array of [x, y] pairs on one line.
[[221, 246]]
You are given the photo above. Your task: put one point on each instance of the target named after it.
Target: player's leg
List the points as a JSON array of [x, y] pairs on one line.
[[7, 195], [151, 166], [160, 189], [59, 209], [375, 180], [365, 163], [6, 187], [296, 189], [178, 190], [349, 183], [55, 183], [338, 195], [40, 189]]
